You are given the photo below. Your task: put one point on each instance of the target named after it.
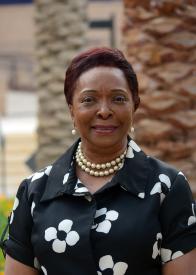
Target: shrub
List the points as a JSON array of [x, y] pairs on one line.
[[5, 209]]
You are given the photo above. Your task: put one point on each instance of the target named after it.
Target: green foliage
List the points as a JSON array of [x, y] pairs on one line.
[[5, 209]]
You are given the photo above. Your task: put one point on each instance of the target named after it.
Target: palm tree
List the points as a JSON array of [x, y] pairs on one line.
[[160, 41], [60, 34]]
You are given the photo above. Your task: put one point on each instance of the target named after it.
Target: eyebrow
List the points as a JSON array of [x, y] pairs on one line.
[[94, 91], [119, 90], [88, 90]]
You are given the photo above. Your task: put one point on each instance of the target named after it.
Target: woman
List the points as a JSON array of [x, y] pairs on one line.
[[103, 207]]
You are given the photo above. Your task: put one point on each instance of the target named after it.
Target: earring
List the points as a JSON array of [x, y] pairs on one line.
[[73, 131], [131, 132]]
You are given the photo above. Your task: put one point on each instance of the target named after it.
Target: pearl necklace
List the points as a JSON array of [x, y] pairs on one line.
[[101, 169]]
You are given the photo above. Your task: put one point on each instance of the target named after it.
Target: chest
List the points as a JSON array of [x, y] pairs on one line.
[[92, 183], [76, 229]]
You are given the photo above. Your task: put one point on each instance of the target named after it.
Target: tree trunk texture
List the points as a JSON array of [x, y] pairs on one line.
[[60, 34], [160, 42]]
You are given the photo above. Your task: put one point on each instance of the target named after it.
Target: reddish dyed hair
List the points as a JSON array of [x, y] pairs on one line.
[[99, 57]]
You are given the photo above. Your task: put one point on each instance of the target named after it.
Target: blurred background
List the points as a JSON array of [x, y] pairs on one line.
[[37, 41]]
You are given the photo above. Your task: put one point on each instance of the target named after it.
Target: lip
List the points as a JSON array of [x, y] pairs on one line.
[[104, 129]]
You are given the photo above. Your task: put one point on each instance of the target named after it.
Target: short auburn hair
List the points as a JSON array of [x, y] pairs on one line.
[[99, 57]]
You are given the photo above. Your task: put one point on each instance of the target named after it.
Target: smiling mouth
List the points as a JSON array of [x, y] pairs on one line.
[[104, 129]]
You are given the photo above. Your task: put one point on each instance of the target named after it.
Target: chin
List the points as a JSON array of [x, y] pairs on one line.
[[106, 141]]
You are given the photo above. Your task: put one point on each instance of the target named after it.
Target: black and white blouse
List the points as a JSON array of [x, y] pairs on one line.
[[141, 219]]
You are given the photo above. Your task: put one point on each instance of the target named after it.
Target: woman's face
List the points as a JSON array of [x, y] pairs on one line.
[[102, 107]]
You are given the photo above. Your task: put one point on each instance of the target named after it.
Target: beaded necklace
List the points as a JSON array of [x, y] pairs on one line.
[[100, 169]]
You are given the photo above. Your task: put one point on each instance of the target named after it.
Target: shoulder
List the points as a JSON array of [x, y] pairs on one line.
[[165, 179], [35, 183], [147, 165], [157, 167], [49, 179]]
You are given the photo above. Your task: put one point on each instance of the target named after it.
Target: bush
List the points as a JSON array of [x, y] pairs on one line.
[[5, 209]]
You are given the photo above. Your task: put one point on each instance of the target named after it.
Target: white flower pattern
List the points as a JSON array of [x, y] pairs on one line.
[[157, 246], [105, 225], [71, 237], [180, 173], [192, 219], [36, 263], [32, 208], [167, 255], [141, 195], [66, 176], [157, 188], [132, 146], [80, 189], [16, 203], [41, 173], [44, 270], [106, 262]]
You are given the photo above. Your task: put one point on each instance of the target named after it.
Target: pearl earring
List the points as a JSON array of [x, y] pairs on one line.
[[132, 129], [73, 131]]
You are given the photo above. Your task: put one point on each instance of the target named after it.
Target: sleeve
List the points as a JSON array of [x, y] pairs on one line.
[[18, 244], [178, 221]]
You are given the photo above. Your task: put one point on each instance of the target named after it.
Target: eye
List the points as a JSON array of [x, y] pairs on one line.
[[88, 99], [120, 98]]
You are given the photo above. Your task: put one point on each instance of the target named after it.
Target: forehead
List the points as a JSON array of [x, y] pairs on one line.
[[103, 75]]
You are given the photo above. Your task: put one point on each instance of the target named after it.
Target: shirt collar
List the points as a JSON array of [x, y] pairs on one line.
[[132, 177], [61, 177]]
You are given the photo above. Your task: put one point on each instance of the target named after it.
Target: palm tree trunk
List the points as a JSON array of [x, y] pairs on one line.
[[160, 41], [61, 28]]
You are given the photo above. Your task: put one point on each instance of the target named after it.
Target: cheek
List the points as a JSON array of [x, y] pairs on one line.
[[126, 114], [82, 118]]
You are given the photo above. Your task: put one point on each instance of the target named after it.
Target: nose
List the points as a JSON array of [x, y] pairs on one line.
[[104, 111]]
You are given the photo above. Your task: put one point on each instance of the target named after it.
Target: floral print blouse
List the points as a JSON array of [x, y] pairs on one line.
[[140, 220]]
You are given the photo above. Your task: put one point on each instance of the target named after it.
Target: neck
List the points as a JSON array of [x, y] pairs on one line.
[[102, 154]]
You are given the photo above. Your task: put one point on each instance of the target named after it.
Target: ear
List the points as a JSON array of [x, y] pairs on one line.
[[132, 112], [71, 111]]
